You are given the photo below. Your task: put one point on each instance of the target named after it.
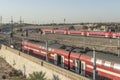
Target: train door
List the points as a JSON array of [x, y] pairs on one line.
[[77, 66], [62, 61], [59, 60], [68, 32], [114, 36], [55, 59], [106, 35], [83, 66], [30, 52], [82, 33], [87, 33]]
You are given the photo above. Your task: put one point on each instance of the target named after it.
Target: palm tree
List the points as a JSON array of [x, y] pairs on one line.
[[37, 76], [55, 77]]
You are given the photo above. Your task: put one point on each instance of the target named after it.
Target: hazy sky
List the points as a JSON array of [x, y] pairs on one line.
[[47, 11]]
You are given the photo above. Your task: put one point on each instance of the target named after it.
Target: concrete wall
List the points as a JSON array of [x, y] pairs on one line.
[[29, 64]]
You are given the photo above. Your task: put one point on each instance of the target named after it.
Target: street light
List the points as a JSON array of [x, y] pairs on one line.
[[0, 21], [119, 47], [94, 64], [84, 42], [64, 21], [47, 50], [11, 34]]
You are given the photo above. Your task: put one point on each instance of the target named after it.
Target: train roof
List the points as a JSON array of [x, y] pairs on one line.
[[105, 56], [36, 42], [61, 47], [52, 44], [55, 45], [99, 54], [78, 50]]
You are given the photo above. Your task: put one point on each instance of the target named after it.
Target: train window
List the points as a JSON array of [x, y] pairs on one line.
[[107, 64], [82, 65], [116, 66], [74, 51], [52, 50], [40, 47], [44, 48], [105, 78], [61, 59], [74, 61], [98, 61], [77, 62], [49, 49], [92, 60], [63, 47]]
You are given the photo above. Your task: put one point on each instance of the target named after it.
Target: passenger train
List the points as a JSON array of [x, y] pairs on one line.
[[83, 33], [76, 59]]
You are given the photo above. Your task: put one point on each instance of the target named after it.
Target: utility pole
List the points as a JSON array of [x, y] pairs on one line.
[[47, 50], [0, 21], [94, 64], [12, 23], [11, 34], [64, 21], [53, 23], [84, 42], [20, 20], [119, 47], [26, 36]]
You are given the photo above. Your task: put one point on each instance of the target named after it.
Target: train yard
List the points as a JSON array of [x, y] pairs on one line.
[[78, 59], [106, 46], [102, 44]]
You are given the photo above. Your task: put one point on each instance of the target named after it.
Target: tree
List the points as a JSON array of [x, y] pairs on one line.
[[20, 29], [85, 27], [55, 77], [26, 33], [71, 28], [37, 76]]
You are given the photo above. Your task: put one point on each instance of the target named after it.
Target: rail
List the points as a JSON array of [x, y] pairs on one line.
[[38, 38]]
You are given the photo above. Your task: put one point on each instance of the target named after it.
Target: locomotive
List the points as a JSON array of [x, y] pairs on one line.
[[76, 59], [83, 33]]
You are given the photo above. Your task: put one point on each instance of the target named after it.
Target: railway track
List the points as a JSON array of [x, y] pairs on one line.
[[102, 44]]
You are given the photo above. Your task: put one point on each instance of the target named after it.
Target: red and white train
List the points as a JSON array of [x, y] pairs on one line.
[[77, 59], [83, 33]]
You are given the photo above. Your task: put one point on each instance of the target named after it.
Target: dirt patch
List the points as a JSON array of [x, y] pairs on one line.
[[9, 73]]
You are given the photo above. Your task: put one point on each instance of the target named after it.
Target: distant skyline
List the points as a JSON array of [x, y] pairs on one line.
[[49, 11]]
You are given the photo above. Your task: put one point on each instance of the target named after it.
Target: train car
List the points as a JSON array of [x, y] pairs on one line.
[[74, 59], [34, 48], [107, 66], [82, 33], [64, 56], [57, 53], [115, 35], [98, 34], [64, 52], [60, 31], [47, 31], [77, 59]]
